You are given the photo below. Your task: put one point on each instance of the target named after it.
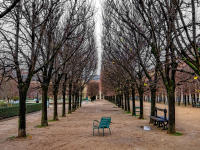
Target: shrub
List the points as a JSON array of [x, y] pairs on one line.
[[7, 112]]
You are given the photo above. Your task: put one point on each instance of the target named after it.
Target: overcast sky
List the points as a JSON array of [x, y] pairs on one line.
[[98, 31]]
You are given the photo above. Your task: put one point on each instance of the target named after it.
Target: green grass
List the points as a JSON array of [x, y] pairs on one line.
[[12, 138], [127, 112], [178, 134], [40, 126], [52, 120], [28, 136]]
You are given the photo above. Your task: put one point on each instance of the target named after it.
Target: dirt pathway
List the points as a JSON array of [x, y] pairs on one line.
[[75, 133]]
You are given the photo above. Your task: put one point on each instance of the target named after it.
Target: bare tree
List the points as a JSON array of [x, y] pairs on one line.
[[9, 8], [29, 19]]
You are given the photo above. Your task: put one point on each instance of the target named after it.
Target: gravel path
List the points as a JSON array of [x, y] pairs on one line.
[[74, 132]]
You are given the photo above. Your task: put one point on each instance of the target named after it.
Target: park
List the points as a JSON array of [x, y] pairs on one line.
[[100, 74]]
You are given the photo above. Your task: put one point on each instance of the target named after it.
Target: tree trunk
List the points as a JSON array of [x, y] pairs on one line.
[[122, 101], [81, 94], [73, 101], [185, 101], [188, 100], [179, 100], [70, 99], [171, 109], [44, 119], [128, 101], [125, 102], [76, 100], [153, 103], [141, 93], [55, 95], [133, 101], [22, 113], [64, 99]]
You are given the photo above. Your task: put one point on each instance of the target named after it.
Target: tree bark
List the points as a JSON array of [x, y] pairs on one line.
[[64, 99], [81, 94], [128, 101], [44, 119], [133, 101], [73, 101], [55, 95], [141, 93], [70, 99], [121, 101], [125, 102], [22, 112], [153, 103], [171, 109]]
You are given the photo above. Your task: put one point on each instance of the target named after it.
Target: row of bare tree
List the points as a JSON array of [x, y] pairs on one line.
[[145, 41], [51, 41]]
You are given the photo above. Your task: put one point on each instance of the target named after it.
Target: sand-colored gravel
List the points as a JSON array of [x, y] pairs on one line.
[[75, 131]]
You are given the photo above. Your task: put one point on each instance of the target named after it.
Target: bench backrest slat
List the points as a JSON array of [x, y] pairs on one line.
[[105, 122], [162, 110]]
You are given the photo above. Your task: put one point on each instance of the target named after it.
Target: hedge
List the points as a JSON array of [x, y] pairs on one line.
[[14, 110]]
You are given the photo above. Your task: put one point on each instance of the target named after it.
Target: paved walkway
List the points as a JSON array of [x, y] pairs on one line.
[[75, 133]]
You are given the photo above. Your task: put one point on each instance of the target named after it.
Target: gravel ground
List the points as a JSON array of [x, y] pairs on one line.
[[74, 132]]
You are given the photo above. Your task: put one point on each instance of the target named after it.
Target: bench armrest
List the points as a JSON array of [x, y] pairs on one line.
[[95, 121]]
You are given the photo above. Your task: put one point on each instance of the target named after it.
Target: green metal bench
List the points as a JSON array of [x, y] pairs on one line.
[[103, 124], [137, 110]]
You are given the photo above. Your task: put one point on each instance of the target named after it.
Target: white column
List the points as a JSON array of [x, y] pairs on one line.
[[99, 94], [166, 99], [181, 96], [190, 97]]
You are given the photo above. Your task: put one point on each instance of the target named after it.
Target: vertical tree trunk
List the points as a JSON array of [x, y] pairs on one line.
[[133, 100], [64, 99], [141, 104], [171, 109], [44, 119], [81, 97], [179, 100], [188, 100], [22, 112], [122, 101], [76, 100], [55, 95], [128, 101], [185, 100], [70, 99], [153, 103], [73, 101], [125, 101]]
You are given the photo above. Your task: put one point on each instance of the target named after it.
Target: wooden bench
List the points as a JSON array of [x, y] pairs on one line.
[[103, 124], [160, 121]]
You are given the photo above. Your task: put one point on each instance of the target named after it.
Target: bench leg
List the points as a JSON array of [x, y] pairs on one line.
[[155, 122], [93, 131], [165, 125], [103, 131], [109, 131], [159, 124]]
